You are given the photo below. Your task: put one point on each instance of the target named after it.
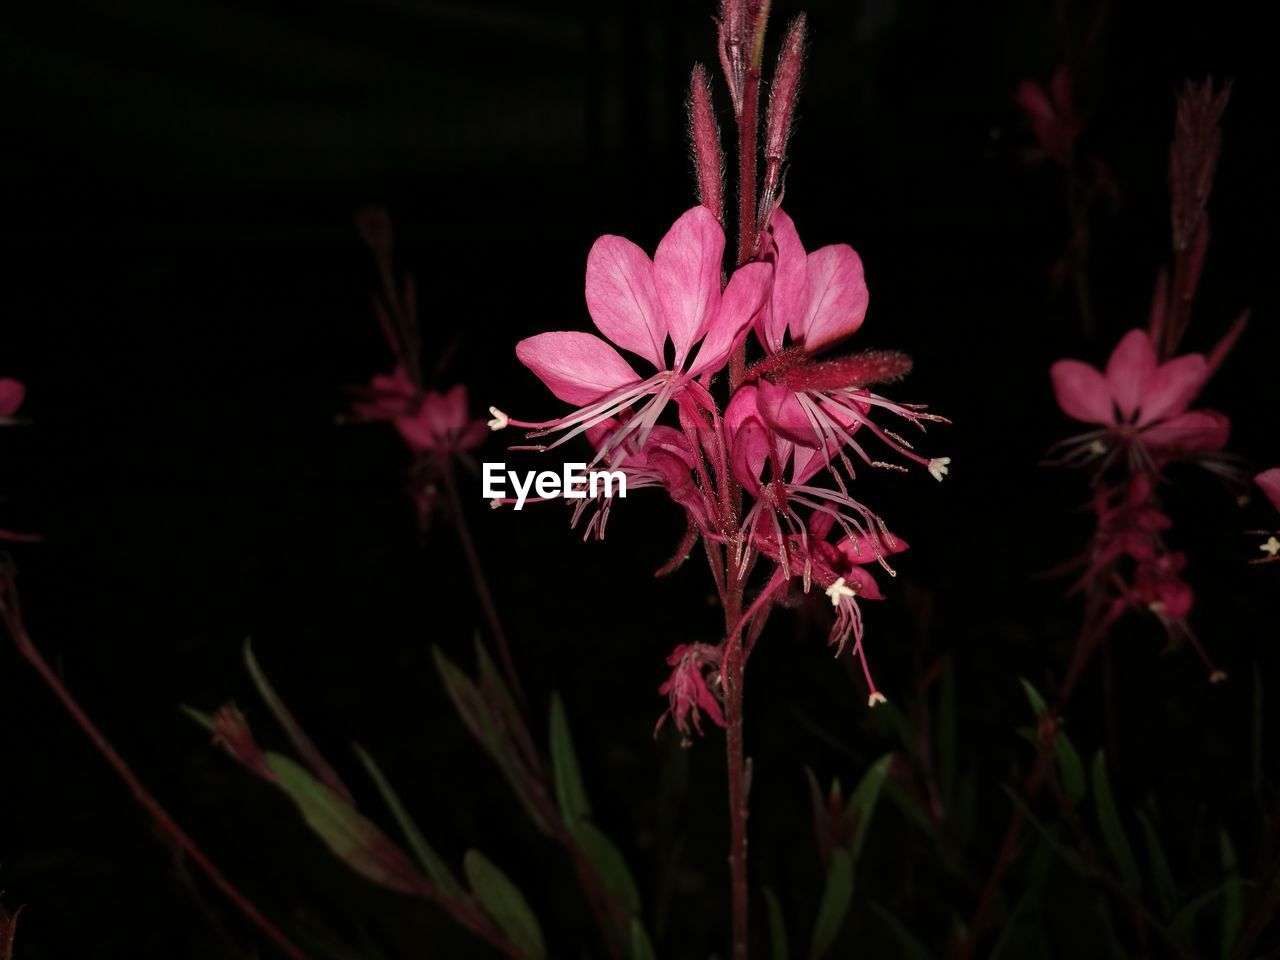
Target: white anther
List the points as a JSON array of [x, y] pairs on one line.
[[839, 590]]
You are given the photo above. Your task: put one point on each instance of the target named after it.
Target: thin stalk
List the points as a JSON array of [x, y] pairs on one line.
[[168, 826], [481, 583], [610, 915], [733, 679]]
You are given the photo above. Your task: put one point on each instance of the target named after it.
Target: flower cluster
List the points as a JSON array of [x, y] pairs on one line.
[[1142, 423], [765, 476], [1139, 408]]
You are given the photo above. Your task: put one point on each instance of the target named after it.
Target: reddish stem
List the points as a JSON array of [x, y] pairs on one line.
[[1091, 635], [169, 827], [733, 671], [481, 584], [610, 915]]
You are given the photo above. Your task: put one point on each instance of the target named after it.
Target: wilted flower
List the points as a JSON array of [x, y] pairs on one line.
[[688, 689]]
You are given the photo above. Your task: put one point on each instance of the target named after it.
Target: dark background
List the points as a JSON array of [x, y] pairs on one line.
[[183, 292]]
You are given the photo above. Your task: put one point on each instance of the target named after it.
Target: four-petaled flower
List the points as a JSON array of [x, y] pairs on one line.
[[644, 306], [1141, 404]]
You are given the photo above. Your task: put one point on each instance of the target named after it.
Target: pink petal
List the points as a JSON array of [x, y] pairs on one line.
[[12, 393], [1129, 371], [577, 367], [1200, 431], [1269, 481], [622, 298], [741, 302], [1081, 391], [835, 297], [806, 462], [861, 549], [1172, 389], [781, 410], [748, 439], [863, 583], [417, 432], [686, 271], [789, 271]]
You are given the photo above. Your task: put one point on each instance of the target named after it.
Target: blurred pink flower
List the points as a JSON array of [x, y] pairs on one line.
[[1054, 119], [431, 422], [12, 393], [1140, 402], [686, 690], [1269, 483]]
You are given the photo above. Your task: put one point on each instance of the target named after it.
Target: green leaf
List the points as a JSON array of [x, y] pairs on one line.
[[911, 947], [1113, 835], [478, 718], [1232, 894], [310, 754], [353, 839], [1022, 924], [1069, 856], [199, 716], [1038, 705], [863, 800], [1070, 768], [504, 902], [608, 862], [571, 792], [1166, 890], [836, 896], [778, 949], [431, 862], [641, 945]]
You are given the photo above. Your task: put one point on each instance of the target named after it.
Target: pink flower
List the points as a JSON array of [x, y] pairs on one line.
[[1140, 402], [819, 299], [642, 305], [430, 422], [1053, 116], [687, 692], [12, 393]]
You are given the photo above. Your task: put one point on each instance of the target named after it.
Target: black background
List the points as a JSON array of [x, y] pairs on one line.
[[184, 294]]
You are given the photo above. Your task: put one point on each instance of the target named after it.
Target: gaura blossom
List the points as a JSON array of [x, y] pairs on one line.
[[776, 472], [1053, 116], [688, 691], [644, 306], [818, 300], [428, 421], [1140, 404], [841, 569]]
